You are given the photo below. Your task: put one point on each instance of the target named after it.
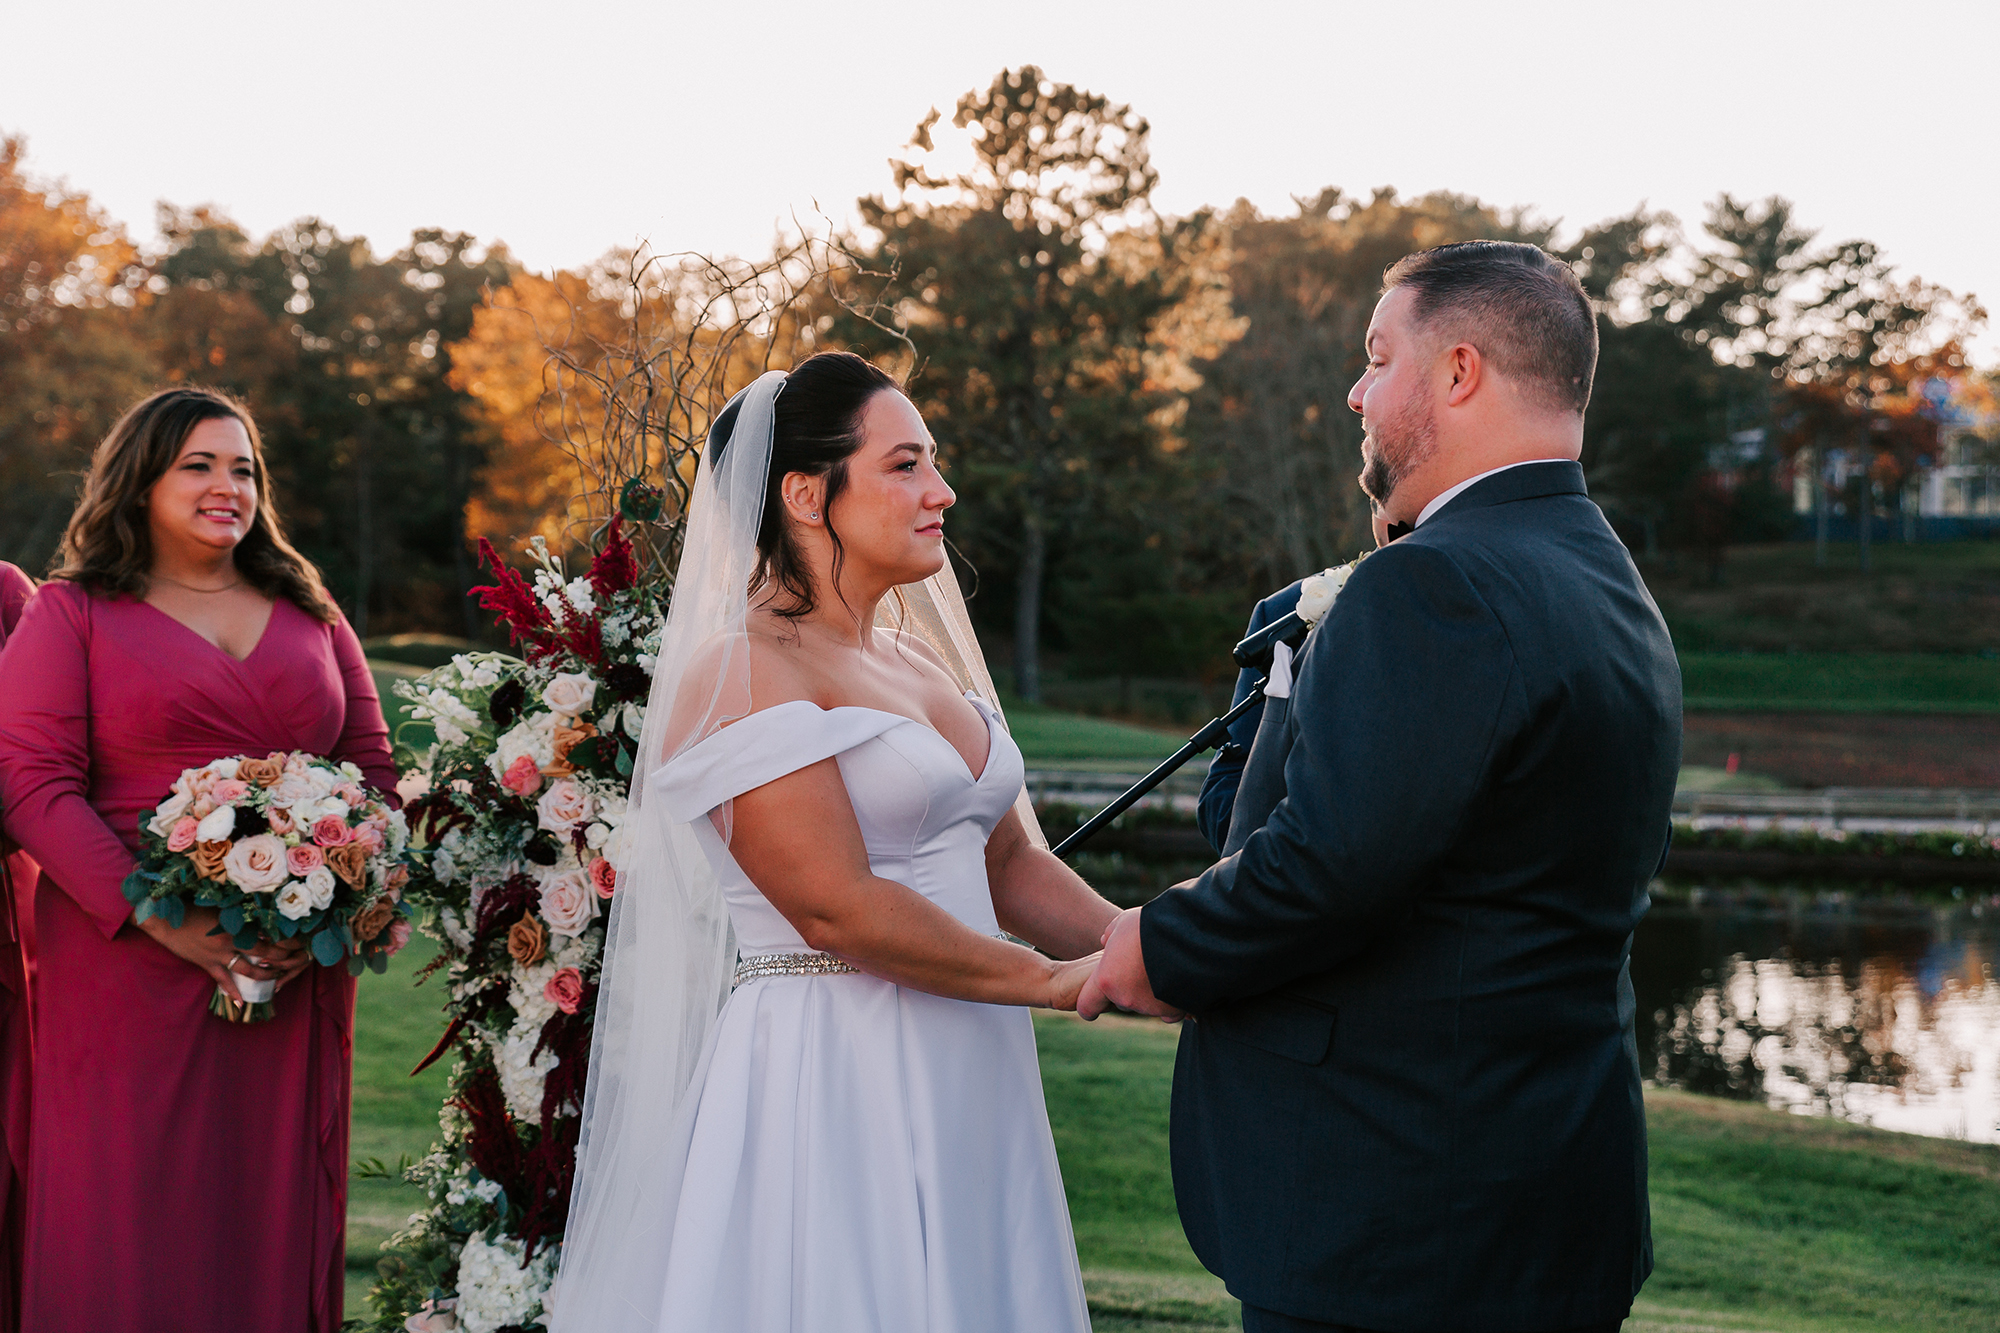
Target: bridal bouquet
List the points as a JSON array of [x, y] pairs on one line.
[[287, 847]]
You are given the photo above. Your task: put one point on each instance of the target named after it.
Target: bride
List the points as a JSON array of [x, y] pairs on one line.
[[814, 1101]]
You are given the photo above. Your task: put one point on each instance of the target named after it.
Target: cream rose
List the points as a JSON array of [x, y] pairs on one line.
[[293, 789], [295, 900], [257, 864], [569, 902], [169, 813], [569, 693], [563, 806]]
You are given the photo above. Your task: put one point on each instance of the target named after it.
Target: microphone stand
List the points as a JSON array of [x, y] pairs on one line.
[[1253, 653]]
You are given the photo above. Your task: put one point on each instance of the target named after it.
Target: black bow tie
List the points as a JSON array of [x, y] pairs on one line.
[[1401, 530]]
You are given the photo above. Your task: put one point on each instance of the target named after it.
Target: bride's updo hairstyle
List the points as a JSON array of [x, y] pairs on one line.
[[816, 429]]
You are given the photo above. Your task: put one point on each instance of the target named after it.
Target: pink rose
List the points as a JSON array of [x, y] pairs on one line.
[[565, 989], [280, 819], [370, 838], [331, 831], [523, 776], [563, 806], [182, 836], [303, 859], [229, 791], [603, 877], [569, 904]]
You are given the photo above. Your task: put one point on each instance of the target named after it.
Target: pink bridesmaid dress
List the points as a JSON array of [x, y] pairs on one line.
[[17, 967], [187, 1175]]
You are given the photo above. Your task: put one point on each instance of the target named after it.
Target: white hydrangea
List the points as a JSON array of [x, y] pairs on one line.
[[464, 1189], [533, 736], [495, 1288]]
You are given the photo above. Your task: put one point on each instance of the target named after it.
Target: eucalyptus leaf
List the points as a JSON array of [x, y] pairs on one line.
[[142, 909], [624, 762], [232, 918], [173, 911], [327, 948], [248, 937]]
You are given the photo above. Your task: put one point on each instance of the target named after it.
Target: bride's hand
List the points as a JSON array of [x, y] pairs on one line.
[[1067, 980]]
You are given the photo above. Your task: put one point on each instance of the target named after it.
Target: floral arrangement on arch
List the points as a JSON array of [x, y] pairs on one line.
[[516, 846]]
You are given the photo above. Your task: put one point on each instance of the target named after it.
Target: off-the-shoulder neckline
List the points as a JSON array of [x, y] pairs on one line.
[[985, 710]]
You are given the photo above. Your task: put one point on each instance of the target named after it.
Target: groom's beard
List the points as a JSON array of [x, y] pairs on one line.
[[1397, 447]]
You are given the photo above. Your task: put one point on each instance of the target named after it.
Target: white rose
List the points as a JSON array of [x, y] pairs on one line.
[[563, 806], [295, 900], [217, 825], [169, 812], [569, 904], [224, 768], [1317, 593], [320, 884], [256, 864], [569, 693], [594, 837]]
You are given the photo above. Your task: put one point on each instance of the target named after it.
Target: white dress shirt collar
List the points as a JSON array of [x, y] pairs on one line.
[[1446, 497]]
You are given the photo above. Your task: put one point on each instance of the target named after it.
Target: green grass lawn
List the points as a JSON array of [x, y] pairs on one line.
[[1841, 682], [1761, 1220]]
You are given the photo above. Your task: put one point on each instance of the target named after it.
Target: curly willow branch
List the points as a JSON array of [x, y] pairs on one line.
[[652, 348]]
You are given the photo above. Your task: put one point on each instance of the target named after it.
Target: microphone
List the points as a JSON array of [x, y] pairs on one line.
[[1255, 652]]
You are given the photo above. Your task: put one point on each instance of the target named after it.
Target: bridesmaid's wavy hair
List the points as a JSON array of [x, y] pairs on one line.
[[815, 429], [108, 547]]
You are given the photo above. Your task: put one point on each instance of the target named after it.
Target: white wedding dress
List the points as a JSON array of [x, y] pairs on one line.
[[863, 1156]]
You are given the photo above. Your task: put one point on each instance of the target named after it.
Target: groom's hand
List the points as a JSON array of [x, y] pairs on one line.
[[1120, 978]]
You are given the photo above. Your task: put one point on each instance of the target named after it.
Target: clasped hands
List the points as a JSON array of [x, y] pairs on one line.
[[199, 941], [1116, 978]]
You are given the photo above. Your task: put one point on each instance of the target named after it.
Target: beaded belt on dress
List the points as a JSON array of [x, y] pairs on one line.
[[795, 965]]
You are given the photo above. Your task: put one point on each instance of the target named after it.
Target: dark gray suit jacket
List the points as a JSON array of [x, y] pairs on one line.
[[1410, 1100]]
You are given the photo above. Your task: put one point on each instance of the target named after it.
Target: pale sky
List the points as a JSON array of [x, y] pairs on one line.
[[567, 129]]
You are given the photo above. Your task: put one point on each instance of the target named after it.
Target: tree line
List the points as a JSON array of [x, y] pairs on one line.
[[1144, 415]]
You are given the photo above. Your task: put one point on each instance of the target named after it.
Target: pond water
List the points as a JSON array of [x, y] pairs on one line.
[[1881, 1014]]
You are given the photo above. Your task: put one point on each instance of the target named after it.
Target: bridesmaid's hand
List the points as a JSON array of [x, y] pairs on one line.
[[218, 956], [190, 940], [1067, 980]]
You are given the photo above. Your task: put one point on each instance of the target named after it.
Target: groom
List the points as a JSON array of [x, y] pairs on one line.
[[1408, 1099]]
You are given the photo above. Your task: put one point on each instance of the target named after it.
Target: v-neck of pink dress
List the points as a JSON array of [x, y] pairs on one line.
[[185, 1173]]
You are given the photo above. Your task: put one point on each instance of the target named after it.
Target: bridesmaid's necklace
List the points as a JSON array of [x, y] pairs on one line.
[[191, 588]]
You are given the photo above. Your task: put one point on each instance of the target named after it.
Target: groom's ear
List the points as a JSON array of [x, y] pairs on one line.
[[1465, 370]]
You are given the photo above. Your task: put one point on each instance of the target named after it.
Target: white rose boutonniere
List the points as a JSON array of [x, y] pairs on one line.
[[1317, 593]]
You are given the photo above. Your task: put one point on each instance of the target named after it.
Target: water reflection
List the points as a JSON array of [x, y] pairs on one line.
[[1890, 1019]]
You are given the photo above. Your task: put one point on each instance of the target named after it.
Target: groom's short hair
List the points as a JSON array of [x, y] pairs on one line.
[[1518, 304]]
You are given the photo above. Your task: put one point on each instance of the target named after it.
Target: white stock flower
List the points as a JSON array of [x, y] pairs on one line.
[[217, 825], [569, 693], [523, 1074], [580, 595], [295, 900]]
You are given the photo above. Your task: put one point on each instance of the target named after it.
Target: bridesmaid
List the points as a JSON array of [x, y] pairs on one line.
[[185, 1173], [17, 953]]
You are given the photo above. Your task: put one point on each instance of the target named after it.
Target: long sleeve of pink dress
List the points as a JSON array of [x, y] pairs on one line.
[[185, 1173], [17, 1055]]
